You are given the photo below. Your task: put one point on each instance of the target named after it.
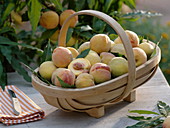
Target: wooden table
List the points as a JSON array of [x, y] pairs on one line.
[[115, 115]]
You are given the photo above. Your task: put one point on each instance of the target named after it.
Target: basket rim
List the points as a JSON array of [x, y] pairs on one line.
[[43, 84]]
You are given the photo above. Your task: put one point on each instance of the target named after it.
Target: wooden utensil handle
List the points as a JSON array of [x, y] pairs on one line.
[[119, 30]]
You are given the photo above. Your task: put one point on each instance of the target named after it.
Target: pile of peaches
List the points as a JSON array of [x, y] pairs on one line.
[[101, 63]]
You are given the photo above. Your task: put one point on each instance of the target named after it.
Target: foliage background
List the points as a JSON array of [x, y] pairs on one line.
[[30, 46]]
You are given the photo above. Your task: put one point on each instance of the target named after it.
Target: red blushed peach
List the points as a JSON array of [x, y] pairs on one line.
[[65, 14], [101, 72], [106, 57], [64, 74], [61, 57], [133, 37], [80, 65]]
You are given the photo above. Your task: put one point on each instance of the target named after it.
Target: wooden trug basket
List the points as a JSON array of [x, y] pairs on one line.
[[93, 99]]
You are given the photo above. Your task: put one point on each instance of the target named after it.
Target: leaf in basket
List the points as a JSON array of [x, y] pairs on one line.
[[69, 34], [46, 56], [85, 28], [140, 118], [154, 51], [153, 122], [36, 74], [143, 112], [65, 85], [83, 53], [163, 108]]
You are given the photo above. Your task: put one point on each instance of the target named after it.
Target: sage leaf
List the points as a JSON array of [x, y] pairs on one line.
[[83, 53], [143, 112], [153, 122], [65, 85], [163, 108], [140, 118]]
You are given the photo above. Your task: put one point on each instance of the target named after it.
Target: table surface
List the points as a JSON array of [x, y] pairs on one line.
[[147, 96]]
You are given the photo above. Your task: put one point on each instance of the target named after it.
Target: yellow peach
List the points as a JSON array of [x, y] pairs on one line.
[[74, 52], [100, 43], [49, 20], [93, 57], [46, 69], [84, 80], [65, 14], [118, 66], [84, 46], [106, 57]]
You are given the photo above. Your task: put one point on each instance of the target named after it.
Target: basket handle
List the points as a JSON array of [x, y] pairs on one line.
[[120, 31]]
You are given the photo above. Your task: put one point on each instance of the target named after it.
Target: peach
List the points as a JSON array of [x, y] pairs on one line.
[[65, 14], [140, 56], [49, 20], [100, 43], [64, 74], [46, 69], [147, 47], [84, 80], [79, 66], [74, 52], [112, 43], [84, 46], [166, 123], [118, 48], [100, 72], [118, 66], [62, 57], [93, 57], [71, 42], [54, 37], [106, 57], [133, 37]]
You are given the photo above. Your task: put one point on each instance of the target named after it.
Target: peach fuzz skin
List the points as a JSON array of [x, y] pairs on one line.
[[100, 72], [64, 74], [62, 57]]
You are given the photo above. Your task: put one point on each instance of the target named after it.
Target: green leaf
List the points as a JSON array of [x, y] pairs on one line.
[[34, 12], [1, 68], [7, 52], [140, 118], [17, 66], [155, 121], [65, 85], [80, 4], [107, 5], [99, 26], [57, 4], [48, 33], [83, 53], [4, 40], [7, 11], [154, 51], [163, 108], [130, 3], [143, 112], [46, 56], [91, 3], [69, 34]]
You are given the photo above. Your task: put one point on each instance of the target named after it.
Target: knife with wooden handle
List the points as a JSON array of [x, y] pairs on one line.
[[15, 102]]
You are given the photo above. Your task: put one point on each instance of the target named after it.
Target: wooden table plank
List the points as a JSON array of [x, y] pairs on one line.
[[115, 115]]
